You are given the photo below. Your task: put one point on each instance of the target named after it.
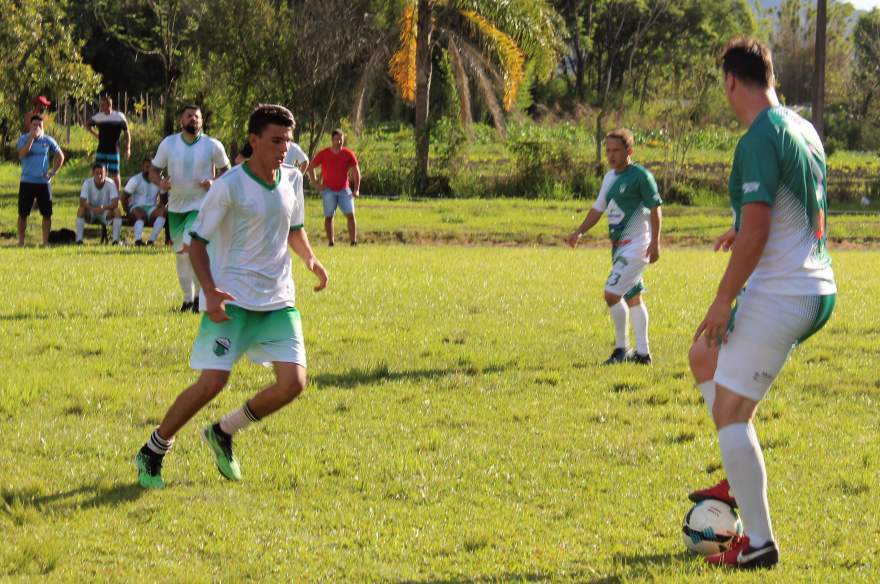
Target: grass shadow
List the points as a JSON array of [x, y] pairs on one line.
[[357, 377], [84, 497]]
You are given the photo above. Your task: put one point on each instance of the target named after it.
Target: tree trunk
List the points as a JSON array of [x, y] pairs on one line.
[[423, 90], [819, 69]]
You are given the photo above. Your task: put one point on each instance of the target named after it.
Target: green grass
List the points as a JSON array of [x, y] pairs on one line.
[[457, 427]]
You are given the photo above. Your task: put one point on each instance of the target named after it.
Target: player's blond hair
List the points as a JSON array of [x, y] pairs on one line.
[[623, 135]]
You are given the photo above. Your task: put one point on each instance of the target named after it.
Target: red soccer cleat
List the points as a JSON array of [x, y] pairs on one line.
[[742, 556], [720, 492]]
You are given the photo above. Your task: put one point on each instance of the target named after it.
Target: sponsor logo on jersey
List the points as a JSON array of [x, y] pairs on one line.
[[615, 213], [221, 346], [751, 187]]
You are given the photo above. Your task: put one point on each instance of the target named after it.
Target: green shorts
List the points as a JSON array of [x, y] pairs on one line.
[[266, 338], [180, 224]]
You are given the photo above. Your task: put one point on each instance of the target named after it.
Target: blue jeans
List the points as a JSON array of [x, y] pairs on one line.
[[341, 199]]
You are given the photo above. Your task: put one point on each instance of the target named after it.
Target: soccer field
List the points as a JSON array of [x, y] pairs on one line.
[[457, 426]]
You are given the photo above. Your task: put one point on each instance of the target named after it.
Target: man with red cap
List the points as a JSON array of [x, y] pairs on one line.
[[40, 105]]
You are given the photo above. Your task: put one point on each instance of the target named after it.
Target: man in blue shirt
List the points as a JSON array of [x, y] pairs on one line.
[[34, 151]]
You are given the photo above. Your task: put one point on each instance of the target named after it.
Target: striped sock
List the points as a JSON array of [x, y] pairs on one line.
[[238, 419], [157, 445]]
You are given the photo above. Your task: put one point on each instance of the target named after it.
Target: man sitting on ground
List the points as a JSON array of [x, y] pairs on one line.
[[141, 198], [98, 200]]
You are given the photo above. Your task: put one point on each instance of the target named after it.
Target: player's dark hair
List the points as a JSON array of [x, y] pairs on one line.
[[748, 60], [106, 97], [36, 117], [147, 159], [189, 106], [337, 131], [623, 135], [267, 113], [247, 150], [98, 165]]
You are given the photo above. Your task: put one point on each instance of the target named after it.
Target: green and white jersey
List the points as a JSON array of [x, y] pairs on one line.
[[628, 198], [143, 192], [780, 161], [188, 165], [98, 197], [246, 223]]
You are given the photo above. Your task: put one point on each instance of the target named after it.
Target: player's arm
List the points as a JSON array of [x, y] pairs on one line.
[[26, 147], [57, 163], [127, 141], [164, 184], [298, 240], [744, 257], [355, 173], [589, 221], [310, 173], [215, 298], [114, 200], [656, 226], [90, 127]]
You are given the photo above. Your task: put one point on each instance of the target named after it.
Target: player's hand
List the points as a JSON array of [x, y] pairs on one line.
[[714, 325], [356, 193], [165, 185], [206, 184], [128, 153], [573, 239], [725, 241], [653, 252], [319, 270], [215, 301]]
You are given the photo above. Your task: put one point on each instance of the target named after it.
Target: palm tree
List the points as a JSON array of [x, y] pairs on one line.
[[488, 43]]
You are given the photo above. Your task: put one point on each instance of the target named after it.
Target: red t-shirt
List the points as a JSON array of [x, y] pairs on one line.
[[334, 167]]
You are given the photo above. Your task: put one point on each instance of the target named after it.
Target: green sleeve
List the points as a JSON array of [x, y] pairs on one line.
[[757, 169], [650, 194]]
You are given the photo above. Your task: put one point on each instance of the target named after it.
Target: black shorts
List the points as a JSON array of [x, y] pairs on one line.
[[27, 192]]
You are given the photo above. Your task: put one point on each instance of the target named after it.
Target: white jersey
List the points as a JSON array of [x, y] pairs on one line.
[[143, 192], [295, 155], [246, 223], [188, 165], [98, 197]]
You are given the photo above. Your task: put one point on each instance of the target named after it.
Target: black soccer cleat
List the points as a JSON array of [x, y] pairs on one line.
[[619, 356], [640, 359]]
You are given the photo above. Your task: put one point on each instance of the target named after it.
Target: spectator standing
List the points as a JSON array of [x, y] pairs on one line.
[[34, 150], [337, 164]]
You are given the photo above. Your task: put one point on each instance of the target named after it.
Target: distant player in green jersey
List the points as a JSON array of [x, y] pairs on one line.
[[629, 195], [192, 161], [780, 276], [239, 250]]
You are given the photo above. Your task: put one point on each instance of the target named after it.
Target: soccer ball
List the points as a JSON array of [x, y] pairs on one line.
[[710, 527]]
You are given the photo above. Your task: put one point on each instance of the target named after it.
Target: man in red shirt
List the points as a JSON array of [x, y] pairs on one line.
[[338, 165]]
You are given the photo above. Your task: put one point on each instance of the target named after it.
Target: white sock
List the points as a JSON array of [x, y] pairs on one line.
[[80, 228], [619, 314], [138, 229], [238, 419], [158, 224], [185, 276], [707, 388], [639, 316], [744, 465], [117, 227]]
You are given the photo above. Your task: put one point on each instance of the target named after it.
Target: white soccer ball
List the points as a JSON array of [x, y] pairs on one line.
[[710, 527]]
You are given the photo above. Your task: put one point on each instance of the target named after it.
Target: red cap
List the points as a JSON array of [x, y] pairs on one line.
[[43, 101]]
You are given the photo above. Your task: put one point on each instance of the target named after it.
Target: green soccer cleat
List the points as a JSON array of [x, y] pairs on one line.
[[149, 471], [227, 464]]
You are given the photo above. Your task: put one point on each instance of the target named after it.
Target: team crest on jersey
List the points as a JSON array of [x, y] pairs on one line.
[[221, 346], [622, 189], [751, 187]]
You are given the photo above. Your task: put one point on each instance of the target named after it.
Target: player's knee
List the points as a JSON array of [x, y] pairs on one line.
[[213, 383], [611, 299], [700, 361], [293, 387]]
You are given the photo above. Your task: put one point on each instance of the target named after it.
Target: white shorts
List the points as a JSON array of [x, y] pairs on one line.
[[765, 328], [625, 278], [93, 218]]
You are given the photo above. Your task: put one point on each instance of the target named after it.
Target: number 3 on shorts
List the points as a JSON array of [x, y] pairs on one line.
[[613, 279]]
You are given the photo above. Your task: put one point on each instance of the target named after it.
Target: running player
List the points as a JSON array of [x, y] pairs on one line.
[[98, 203], [629, 194], [141, 198], [250, 217], [192, 160], [777, 244]]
